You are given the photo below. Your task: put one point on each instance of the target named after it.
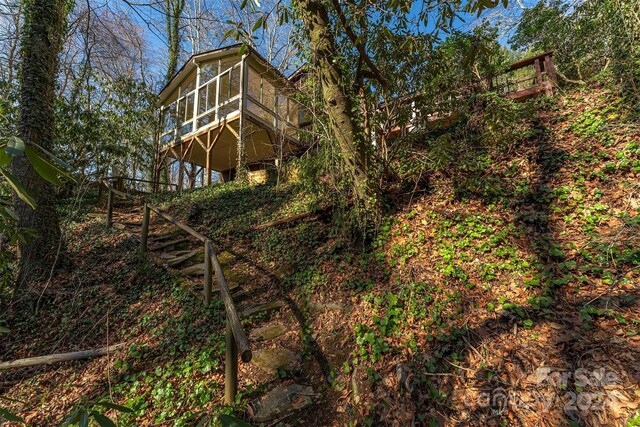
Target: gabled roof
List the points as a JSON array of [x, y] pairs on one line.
[[190, 65]]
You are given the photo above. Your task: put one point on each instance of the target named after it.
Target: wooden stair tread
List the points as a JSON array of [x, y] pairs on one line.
[[169, 244], [163, 236], [185, 257], [170, 255], [268, 306], [193, 270], [215, 288]]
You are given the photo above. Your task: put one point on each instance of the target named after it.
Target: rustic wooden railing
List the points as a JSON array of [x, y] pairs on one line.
[[541, 78], [236, 339], [118, 182]]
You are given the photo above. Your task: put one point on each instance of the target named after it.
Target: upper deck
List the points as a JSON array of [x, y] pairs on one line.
[[225, 95]]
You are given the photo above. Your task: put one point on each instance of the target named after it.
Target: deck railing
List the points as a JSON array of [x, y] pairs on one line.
[[527, 78], [236, 339]]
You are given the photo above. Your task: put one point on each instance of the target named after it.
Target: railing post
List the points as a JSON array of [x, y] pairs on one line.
[[230, 367], [538, 69], [144, 233], [109, 207], [208, 272]]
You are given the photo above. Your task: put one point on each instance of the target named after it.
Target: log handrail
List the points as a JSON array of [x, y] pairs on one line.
[[174, 221], [146, 181], [236, 338]]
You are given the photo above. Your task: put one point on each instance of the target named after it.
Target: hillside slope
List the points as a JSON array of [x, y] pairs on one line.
[[503, 295]]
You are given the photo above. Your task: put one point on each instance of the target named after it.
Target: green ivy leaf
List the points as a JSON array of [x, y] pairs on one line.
[[84, 419], [231, 421], [5, 158], [258, 24], [44, 167], [18, 188], [103, 420], [229, 34], [15, 146], [62, 166], [118, 408], [4, 330], [9, 416], [71, 419]]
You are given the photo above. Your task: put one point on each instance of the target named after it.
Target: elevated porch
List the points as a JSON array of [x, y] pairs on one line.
[[223, 108]]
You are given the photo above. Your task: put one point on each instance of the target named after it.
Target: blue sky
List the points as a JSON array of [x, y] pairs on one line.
[[153, 23]]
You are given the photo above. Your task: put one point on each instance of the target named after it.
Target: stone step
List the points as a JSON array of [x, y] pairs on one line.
[[268, 332], [96, 215], [280, 402], [268, 306], [272, 359]]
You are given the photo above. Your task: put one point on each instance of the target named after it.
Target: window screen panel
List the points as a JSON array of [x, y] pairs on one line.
[[282, 106], [182, 104], [260, 111], [235, 81], [188, 114], [228, 109], [268, 94], [189, 85], [202, 100], [211, 94], [293, 112], [254, 84], [208, 71], [206, 119], [224, 88]]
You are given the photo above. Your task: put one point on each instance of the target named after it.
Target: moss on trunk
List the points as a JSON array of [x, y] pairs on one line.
[[339, 104], [41, 45]]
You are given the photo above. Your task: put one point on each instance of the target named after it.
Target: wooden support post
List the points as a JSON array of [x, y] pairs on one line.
[[241, 161], [196, 99], [538, 68], [180, 171], [230, 367], [192, 176], [144, 233], [109, 207], [208, 160], [551, 72], [167, 171], [201, 173], [208, 272]]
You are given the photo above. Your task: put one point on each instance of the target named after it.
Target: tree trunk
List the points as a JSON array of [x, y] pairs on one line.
[[41, 45], [339, 105], [173, 11]]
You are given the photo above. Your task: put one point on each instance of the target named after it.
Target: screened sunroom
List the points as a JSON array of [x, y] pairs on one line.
[[219, 101]]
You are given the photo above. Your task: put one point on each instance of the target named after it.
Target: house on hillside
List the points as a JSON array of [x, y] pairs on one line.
[[525, 79], [221, 100]]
